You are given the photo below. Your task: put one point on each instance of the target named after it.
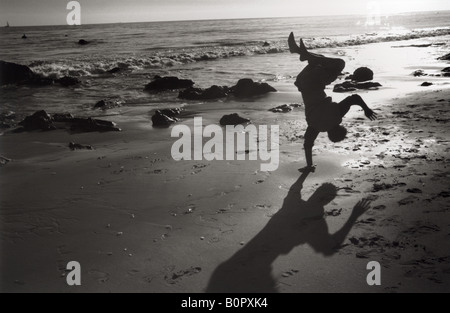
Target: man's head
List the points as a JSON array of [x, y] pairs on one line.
[[337, 134], [323, 195]]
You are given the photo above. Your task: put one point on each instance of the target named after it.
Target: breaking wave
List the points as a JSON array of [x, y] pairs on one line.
[[169, 57]]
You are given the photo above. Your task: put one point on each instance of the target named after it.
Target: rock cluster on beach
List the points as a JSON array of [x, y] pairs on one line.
[[41, 120], [106, 104], [445, 57], [76, 146], [350, 86], [361, 74], [7, 119], [165, 117], [233, 119], [12, 73], [244, 88], [211, 93], [360, 79], [284, 108], [167, 83], [445, 73]]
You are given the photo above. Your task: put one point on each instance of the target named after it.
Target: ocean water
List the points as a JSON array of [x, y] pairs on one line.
[[208, 52]]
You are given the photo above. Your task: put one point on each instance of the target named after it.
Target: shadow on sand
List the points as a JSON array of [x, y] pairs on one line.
[[297, 222]]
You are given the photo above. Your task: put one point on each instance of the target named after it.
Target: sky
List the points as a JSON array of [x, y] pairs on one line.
[[54, 12]]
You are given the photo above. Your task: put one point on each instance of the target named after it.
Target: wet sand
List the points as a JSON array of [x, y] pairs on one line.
[[137, 221]]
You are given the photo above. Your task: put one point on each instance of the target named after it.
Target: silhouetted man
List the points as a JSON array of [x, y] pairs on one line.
[[322, 114]]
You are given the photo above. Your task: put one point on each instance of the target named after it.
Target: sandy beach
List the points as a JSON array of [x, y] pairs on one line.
[[138, 221]]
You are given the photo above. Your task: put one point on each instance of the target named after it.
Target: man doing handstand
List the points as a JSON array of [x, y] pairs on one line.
[[322, 115]]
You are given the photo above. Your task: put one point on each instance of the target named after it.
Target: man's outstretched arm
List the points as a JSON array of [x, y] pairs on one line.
[[356, 100]]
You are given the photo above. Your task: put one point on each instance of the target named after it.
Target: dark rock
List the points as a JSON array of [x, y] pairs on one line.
[[83, 42], [419, 73], [362, 74], [285, 108], [7, 115], [114, 70], [76, 146], [214, 92], [233, 119], [168, 83], [39, 80], [106, 104], [4, 125], [248, 88], [161, 120], [11, 73], [446, 75], [40, 120], [100, 104], [266, 44], [62, 117], [352, 86], [426, 84], [24, 36], [340, 88], [446, 70], [413, 190], [171, 112], [68, 81], [92, 125], [382, 186], [445, 57], [7, 119]]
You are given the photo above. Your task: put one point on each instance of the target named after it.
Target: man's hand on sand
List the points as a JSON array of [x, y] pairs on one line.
[[307, 169], [361, 207], [371, 115]]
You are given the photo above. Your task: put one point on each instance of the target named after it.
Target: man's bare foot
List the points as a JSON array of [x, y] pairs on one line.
[[293, 47], [304, 54], [307, 169]]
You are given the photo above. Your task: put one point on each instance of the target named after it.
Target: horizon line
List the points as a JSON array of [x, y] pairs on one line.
[[214, 19]]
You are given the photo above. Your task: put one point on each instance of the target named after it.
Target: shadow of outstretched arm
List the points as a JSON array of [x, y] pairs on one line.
[[329, 245]]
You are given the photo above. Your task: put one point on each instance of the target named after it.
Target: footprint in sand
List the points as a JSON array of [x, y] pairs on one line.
[[133, 272], [427, 267], [408, 200], [422, 228], [175, 277], [289, 273], [99, 276], [159, 171], [333, 212], [368, 221], [197, 168]]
